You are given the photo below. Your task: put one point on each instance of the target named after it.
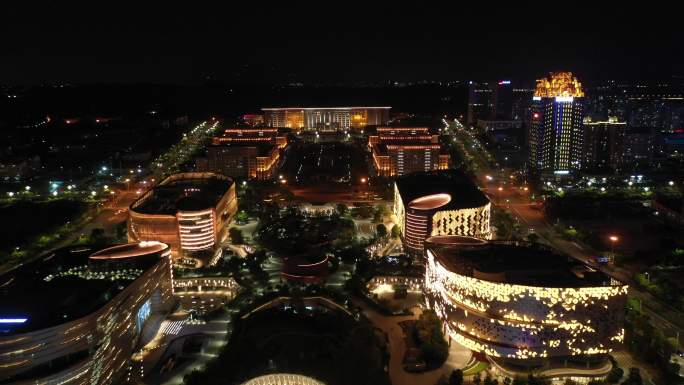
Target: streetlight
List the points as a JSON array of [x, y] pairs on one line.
[[613, 240], [671, 183]]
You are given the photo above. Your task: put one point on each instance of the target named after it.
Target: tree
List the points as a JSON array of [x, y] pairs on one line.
[[533, 238], [241, 217], [342, 209], [456, 377], [634, 377], [396, 231], [97, 233], [615, 375], [381, 230], [477, 380], [235, 235]]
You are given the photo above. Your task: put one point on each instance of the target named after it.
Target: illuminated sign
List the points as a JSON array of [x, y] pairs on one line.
[[143, 314], [561, 172], [561, 99], [536, 98], [504, 82]]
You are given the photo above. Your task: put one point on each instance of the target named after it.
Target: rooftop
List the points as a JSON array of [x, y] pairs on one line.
[[518, 263], [67, 285], [263, 148], [462, 192], [183, 192], [326, 108]]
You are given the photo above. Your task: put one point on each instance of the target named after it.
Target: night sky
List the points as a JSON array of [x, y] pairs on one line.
[[309, 42]]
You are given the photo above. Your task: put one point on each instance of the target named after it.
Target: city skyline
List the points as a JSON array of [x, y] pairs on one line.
[[331, 194]]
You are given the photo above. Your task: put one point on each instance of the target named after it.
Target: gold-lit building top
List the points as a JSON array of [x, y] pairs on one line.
[[559, 84]]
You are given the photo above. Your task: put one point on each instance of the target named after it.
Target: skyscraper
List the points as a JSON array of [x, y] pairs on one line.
[[556, 132]]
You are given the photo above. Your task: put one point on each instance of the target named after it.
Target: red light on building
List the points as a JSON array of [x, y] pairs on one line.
[[535, 115]]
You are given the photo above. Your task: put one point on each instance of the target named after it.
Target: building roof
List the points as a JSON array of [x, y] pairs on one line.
[[463, 193], [65, 286], [262, 148], [518, 263], [183, 192], [325, 108]]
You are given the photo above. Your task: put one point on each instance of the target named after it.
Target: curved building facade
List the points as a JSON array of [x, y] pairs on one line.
[[439, 203], [519, 303], [78, 318], [187, 211]]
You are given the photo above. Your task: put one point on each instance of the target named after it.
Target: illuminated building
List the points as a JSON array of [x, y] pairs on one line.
[[253, 120], [188, 211], [77, 319], [244, 152], [283, 379], [251, 135], [326, 118], [556, 135], [604, 145], [403, 150], [439, 203], [523, 306]]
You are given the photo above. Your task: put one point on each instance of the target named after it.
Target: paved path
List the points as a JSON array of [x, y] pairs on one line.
[[458, 355]]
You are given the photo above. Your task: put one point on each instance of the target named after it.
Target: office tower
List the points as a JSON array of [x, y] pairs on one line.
[[556, 133], [604, 145]]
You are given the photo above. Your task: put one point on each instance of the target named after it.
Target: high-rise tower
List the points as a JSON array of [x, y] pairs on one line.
[[555, 138]]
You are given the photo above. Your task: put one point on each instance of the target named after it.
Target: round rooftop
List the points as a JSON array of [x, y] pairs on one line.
[[283, 379], [130, 250], [430, 202]]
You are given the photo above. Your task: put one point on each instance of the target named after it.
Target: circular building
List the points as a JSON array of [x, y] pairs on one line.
[[305, 268], [188, 211], [521, 305], [282, 379], [439, 203], [75, 317]]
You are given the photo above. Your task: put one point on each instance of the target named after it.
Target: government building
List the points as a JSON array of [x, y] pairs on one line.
[[245, 153], [326, 119], [403, 150]]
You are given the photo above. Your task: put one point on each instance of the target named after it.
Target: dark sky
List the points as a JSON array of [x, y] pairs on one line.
[[118, 41]]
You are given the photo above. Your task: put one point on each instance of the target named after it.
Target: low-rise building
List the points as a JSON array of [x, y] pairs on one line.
[[404, 150], [189, 212]]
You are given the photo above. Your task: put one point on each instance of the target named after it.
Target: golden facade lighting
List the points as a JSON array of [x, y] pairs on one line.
[[559, 84], [193, 219], [512, 320]]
